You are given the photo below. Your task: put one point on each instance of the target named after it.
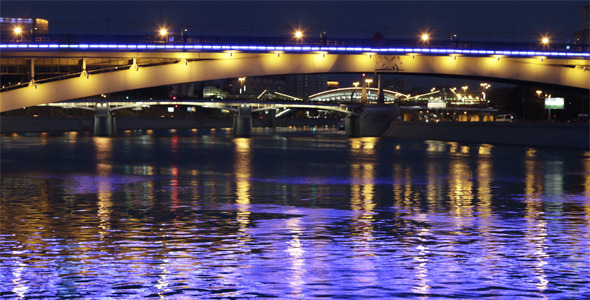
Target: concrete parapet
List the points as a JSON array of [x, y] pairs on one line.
[[524, 134]]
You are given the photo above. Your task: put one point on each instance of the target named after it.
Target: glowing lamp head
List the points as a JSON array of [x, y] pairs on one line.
[[17, 30], [425, 37], [545, 40], [298, 34], [163, 31]]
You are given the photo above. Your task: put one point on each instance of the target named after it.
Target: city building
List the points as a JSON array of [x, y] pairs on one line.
[[304, 85], [583, 36]]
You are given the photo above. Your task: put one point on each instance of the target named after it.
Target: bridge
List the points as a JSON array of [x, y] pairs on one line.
[[104, 122], [87, 66], [61, 68]]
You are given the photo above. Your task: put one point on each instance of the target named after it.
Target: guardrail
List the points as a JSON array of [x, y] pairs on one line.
[[284, 41]]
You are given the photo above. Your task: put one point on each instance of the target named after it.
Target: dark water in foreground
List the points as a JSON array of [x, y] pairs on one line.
[[291, 215]]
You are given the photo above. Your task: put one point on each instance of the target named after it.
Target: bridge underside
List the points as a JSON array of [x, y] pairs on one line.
[[192, 67]]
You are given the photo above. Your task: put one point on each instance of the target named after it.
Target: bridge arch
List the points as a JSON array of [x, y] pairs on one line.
[[532, 69]]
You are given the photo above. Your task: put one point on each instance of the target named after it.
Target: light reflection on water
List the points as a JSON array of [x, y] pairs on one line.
[[291, 215]]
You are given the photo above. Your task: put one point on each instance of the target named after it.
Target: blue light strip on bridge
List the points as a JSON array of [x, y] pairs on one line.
[[304, 48]]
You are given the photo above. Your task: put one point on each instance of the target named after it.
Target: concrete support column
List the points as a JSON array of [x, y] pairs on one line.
[[32, 69], [243, 122], [372, 120], [104, 121], [83, 73], [380, 95]]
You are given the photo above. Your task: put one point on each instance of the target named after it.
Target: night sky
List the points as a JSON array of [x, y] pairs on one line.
[[470, 20]]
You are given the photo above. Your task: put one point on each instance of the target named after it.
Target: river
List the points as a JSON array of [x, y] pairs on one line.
[[292, 213]]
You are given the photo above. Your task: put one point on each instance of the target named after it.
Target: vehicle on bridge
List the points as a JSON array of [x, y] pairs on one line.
[[505, 118]]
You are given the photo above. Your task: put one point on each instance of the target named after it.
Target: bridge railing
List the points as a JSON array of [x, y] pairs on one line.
[[288, 41]]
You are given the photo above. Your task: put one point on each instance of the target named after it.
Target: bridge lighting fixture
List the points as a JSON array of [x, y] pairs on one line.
[[542, 54], [17, 30], [425, 37], [163, 31], [356, 83], [545, 40], [298, 34]]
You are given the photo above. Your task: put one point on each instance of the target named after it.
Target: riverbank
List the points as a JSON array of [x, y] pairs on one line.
[[18, 124], [573, 135]]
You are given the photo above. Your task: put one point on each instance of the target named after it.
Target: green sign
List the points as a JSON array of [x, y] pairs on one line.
[[554, 103]]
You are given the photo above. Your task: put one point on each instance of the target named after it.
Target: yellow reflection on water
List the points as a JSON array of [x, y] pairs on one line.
[[435, 146], [243, 170], [484, 191], [533, 180], [103, 152], [364, 145], [536, 226], [453, 146], [243, 173], [484, 149], [461, 187], [362, 194]]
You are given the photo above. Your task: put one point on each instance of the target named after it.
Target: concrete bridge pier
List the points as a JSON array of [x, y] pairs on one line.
[[371, 120], [243, 122], [104, 121]]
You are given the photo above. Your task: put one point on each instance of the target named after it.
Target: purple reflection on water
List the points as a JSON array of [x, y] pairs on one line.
[[218, 221]]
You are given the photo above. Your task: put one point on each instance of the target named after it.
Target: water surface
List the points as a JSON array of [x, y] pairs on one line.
[[291, 213]]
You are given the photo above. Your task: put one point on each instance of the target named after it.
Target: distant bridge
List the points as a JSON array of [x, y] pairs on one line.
[[94, 67], [234, 106]]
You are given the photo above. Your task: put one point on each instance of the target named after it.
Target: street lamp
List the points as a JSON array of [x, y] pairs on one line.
[[298, 36], [17, 31], [356, 84], [242, 79], [164, 33], [465, 87], [368, 81], [425, 38], [545, 42], [484, 86]]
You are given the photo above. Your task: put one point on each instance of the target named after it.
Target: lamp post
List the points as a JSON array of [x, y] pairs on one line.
[[545, 42], [484, 87], [298, 36], [164, 34], [242, 80], [425, 39], [465, 87], [17, 32]]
